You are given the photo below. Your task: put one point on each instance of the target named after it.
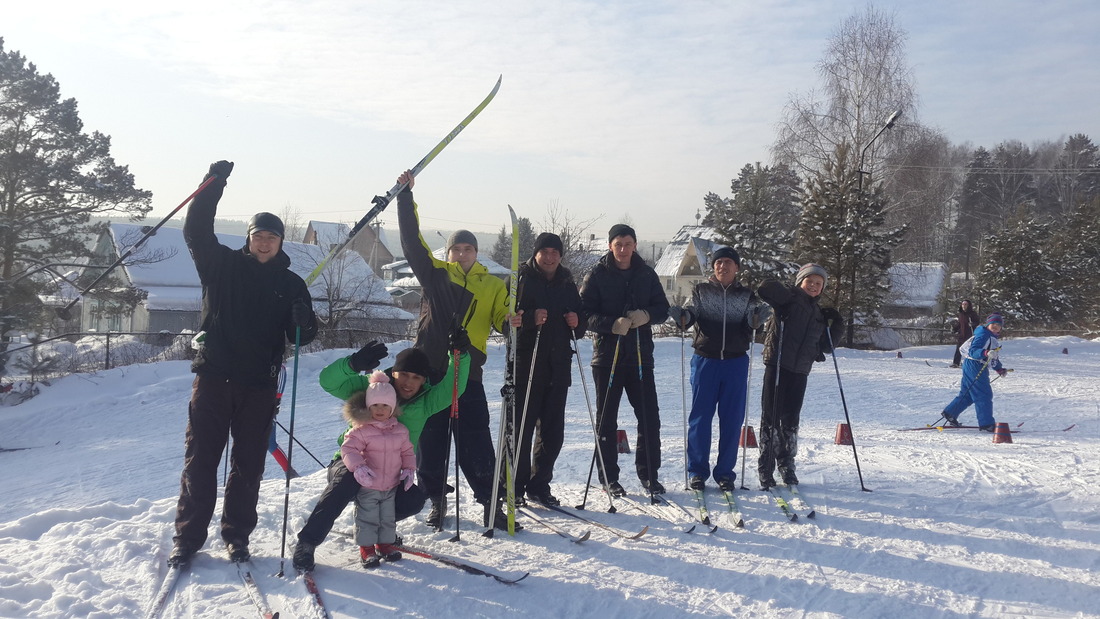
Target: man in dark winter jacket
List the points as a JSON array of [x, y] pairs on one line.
[[547, 318], [794, 339], [252, 304], [621, 297], [964, 327], [459, 290], [725, 315]]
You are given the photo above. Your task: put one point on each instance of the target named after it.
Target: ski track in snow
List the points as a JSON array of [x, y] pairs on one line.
[[955, 526]]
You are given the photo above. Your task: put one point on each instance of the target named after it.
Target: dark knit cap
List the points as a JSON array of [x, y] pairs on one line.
[[726, 252], [549, 240], [621, 230], [462, 236], [412, 360], [266, 222], [995, 317]]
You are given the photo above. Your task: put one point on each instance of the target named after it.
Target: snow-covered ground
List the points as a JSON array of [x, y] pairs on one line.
[[956, 525]]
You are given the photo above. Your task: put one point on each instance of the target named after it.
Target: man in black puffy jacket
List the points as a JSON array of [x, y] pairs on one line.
[[548, 321], [252, 304], [794, 339], [621, 297]]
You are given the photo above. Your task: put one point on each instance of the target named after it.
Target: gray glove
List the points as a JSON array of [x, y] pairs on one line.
[[759, 315], [620, 326], [638, 317]]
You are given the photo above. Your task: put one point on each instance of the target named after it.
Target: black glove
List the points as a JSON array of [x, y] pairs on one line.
[[221, 169], [460, 339], [368, 357], [831, 315], [301, 313]]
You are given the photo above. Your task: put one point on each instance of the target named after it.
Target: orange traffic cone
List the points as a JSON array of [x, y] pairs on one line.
[[1001, 433], [748, 437], [843, 434], [624, 442]]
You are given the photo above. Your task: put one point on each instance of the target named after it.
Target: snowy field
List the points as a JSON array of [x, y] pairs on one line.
[[956, 525]]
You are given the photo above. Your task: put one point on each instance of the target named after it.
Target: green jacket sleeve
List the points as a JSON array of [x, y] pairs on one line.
[[439, 396], [339, 380]]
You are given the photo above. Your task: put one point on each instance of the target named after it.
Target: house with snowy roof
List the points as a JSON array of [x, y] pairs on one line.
[[372, 242], [347, 293], [916, 290], [685, 261]]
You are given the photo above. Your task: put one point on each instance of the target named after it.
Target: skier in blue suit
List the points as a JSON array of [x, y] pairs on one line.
[[981, 357]]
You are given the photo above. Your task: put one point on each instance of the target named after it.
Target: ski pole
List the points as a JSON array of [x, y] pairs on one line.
[[523, 416], [683, 407], [745, 420], [290, 446], [592, 419], [65, 313], [829, 335], [597, 429], [458, 454], [645, 444], [299, 443]]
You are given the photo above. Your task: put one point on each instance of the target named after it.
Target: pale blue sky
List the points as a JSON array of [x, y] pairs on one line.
[[620, 108]]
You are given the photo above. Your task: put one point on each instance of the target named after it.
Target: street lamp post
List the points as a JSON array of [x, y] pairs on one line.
[[852, 309]]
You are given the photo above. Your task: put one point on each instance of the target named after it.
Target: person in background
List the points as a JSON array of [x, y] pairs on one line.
[[964, 327], [252, 305], [982, 354]]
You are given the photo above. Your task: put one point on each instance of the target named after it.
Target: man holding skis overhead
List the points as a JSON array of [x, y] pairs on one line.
[[547, 319], [725, 315], [458, 291], [621, 297], [252, 304]]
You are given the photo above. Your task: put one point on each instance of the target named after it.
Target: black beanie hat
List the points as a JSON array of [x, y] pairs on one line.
[[549, 240], [621, 230], [412, 360], [462, 236], [725, 252], [266, 222]]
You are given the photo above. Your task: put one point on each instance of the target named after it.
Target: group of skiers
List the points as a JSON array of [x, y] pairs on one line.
[[395, 450]]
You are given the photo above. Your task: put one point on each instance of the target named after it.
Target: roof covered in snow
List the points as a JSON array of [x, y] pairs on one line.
[[916, 284], [173, 283], [690, 240]]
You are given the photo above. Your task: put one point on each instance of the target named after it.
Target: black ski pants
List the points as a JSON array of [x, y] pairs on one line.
[[545, 424], [342, 490], [475, 455], [780, 412], [219, 409], [641, 392]]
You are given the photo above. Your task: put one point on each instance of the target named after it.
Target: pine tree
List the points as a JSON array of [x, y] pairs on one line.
[[53, 178], [842, 229], [1076, 251], [757, 219], [1019, 277], [502, 249]]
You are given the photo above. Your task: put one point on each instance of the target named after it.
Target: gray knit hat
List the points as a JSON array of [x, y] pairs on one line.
[[462, 236], [808, 270]]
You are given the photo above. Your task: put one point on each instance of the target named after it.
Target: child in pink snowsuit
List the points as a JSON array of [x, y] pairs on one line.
[[378, 453]]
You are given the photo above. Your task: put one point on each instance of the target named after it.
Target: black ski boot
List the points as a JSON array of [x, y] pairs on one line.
[[303, 556], [435, 516]]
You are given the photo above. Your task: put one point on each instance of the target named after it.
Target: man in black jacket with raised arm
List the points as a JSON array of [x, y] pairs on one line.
[[252, 305]]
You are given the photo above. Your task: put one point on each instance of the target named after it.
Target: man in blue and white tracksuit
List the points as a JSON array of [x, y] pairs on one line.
[[981, 352], [724, 314]]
